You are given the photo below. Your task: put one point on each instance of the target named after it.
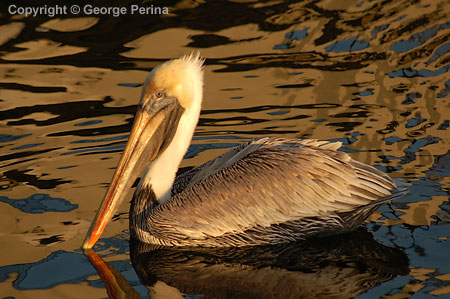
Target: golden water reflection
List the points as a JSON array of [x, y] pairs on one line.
[[371, 74]]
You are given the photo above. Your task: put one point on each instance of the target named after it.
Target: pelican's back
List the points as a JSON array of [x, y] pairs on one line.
[[266, 191]]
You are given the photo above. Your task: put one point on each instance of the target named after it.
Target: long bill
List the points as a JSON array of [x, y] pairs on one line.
[[152, 129]]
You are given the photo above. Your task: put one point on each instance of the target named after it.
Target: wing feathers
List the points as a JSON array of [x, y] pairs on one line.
[[267, 182]]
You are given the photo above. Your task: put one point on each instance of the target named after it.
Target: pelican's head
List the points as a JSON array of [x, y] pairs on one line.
[[171, 93]]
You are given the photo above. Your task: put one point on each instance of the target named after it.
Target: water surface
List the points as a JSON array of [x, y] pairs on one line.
[[371, 74]]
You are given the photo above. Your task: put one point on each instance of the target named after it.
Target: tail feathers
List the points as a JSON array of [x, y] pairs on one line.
[[354, 218], [401, 190], [402, 186]]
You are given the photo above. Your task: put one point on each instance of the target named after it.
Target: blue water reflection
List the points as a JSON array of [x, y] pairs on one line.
[[411, 73], [292, 36], [418, 39], [40, 203], [348, 45]]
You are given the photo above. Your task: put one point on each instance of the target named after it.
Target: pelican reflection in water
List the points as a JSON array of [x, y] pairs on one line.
[[266, 191], [341, 266]]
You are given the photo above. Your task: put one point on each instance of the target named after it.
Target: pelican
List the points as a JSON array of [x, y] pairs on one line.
[[265, 191]]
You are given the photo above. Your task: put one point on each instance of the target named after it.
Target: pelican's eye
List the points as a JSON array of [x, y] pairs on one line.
[[159, 94]]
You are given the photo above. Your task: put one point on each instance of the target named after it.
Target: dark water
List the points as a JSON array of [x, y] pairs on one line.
[[372, 74]]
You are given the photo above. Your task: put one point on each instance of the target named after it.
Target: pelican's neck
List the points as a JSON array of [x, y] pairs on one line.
[[156, 183], [160, 174], [185, 78]]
